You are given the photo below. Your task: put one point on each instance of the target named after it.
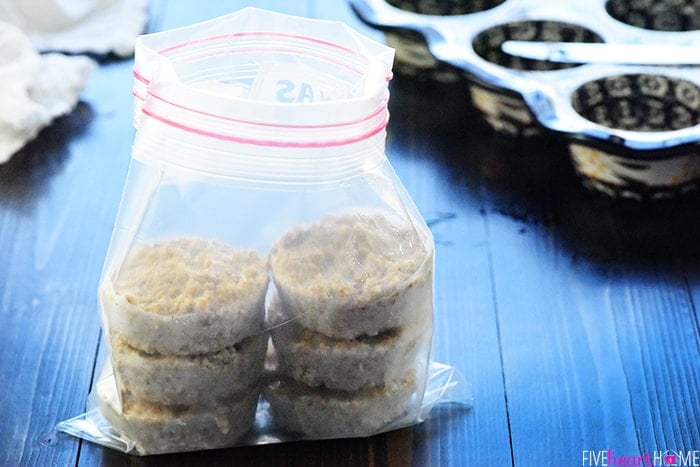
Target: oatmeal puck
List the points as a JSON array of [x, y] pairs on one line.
[[320, 413], [187, 296], [315, 359], [155, 429], [354, 274], [204, 379]]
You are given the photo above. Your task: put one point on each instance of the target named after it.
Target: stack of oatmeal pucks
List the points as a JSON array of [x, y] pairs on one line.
[[185, 324], [351, 324]]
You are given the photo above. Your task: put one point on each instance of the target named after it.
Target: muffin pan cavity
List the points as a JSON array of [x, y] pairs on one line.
[[640, 123]]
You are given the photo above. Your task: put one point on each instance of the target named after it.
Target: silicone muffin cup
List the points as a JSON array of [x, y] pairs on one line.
[[505, 110], [641, 102], [413, 57], [664, 15]]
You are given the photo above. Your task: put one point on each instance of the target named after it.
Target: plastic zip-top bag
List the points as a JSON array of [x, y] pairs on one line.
[[268, 277]]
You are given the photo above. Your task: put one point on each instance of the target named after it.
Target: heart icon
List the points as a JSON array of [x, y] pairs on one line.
[[670, 459]]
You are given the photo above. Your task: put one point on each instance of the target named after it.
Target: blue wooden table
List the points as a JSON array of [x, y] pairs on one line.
[[572, 317]]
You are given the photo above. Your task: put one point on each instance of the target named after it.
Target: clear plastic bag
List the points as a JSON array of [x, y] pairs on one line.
[[268, 277]]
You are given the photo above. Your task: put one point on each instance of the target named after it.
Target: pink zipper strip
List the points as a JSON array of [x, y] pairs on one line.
[[271, 143]]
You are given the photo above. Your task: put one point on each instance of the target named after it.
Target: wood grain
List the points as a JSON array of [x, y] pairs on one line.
[[60, 195]]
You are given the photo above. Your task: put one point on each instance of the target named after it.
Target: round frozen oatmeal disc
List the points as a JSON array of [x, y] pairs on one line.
[[156, 429], [315, 359], [186, 296], [202, 380], [354, 274], [322, 413]]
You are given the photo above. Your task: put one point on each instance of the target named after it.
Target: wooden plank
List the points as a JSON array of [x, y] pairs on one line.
[[426, 145], [586, 336], [653, 250], [658, 332], [551, 312], [56, 213], [40, 308], [562, 369]]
